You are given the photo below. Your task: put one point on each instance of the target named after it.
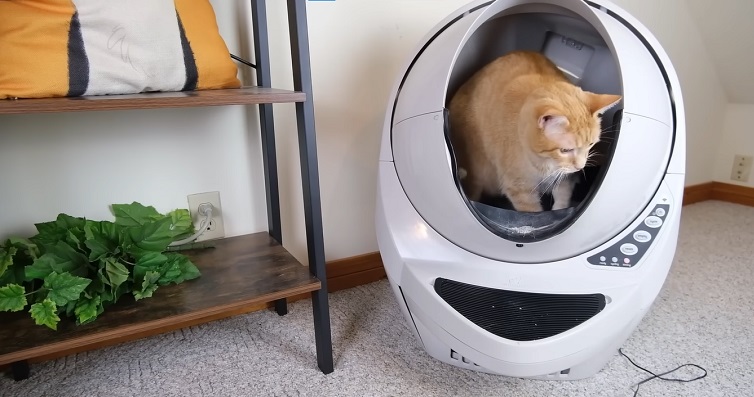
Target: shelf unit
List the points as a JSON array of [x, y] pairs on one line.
[[240, 272]]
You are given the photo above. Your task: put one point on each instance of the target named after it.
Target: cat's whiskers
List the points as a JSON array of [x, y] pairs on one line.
[[536, 190], [560, 177], [549, 178], [553, 180]]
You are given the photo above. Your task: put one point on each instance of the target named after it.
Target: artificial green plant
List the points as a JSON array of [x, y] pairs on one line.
[[76, 267]]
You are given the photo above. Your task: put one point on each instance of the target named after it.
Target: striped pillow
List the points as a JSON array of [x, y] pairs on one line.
[[52, 48]]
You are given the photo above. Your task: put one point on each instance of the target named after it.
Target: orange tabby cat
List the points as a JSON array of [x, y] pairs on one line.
[[519, 128]]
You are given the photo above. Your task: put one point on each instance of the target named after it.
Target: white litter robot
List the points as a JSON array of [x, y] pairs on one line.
[[548, 295]]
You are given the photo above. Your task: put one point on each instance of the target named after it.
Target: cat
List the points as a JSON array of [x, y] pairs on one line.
[[520, 128]]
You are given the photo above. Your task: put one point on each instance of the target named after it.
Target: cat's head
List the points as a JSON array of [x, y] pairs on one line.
[[563, 123]]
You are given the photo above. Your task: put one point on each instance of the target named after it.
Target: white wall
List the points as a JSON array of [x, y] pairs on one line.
[[736, 138], [726, 28], [704, 98], [79, 163], [357, 50]]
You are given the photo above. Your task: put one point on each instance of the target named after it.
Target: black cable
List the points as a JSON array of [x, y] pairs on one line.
[[660, 376], [243, 61]]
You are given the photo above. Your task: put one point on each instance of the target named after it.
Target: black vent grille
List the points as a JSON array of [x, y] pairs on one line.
[[519, 316]]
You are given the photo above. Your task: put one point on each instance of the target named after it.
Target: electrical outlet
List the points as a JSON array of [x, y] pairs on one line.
[[741, 168], [215, 228]]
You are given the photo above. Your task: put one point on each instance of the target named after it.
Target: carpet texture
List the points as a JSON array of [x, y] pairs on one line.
[[703, 315]]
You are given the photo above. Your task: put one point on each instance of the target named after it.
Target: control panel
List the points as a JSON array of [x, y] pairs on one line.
[[628, 251]]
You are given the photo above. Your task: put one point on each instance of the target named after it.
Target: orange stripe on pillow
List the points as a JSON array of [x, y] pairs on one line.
[[210, 51], [34, 47]]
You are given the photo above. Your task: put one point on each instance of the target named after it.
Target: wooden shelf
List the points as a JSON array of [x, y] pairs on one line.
[[153, 100], [239, 272]]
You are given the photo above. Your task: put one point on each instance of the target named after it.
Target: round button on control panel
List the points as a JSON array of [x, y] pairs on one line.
[[629, 249], [642, 236], [653, 222]]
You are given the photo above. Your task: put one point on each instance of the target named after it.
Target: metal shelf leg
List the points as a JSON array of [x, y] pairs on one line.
[[302, 81]]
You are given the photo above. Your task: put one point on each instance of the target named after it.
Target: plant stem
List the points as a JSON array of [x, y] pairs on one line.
[[34, 292]]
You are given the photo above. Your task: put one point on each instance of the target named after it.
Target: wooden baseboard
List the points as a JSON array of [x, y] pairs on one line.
[[696, 193], [354, 271], [719, 191], [345, 273]]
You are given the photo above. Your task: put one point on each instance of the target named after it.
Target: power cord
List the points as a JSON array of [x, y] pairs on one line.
[[204, 209], [661, 376], [243, 61]]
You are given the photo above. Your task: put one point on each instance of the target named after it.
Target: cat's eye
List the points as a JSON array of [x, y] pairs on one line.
[[565, 150]]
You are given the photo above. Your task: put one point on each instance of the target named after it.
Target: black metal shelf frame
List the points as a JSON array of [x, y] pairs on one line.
[[302, 81]]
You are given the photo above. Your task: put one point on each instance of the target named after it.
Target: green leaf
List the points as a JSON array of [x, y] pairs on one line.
[[98, 287], [6, 258], [107, 297], [134, 214], [64, 287], [12, 298], [75, 239], [116, 273], [148, 286], [40, 268], [188, 271], [49, 234], [45, 313], [25, 246], [97, 250], [68, 222], [102, 229], [61, 229], [67, 259], [24, 255], [151, 237], [87, 310], [70, 308], [181, 223], [170, 272], [14, 275], [102, 238], [153, 261]]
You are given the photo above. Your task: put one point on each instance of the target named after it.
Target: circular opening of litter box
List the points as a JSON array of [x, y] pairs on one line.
[[581, 53]]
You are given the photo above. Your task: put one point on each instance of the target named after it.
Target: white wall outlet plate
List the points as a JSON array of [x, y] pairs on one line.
[[215, 229], [741, 168]]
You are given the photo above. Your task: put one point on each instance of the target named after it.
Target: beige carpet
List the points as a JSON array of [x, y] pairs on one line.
[[704, 315]]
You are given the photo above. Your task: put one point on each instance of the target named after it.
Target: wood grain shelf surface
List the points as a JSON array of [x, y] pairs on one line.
[[152, 100], [239, 272]]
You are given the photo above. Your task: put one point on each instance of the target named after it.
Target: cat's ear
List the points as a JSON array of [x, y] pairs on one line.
[[600, 103], [553, 124]]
